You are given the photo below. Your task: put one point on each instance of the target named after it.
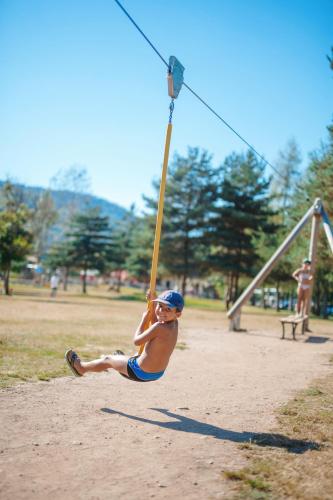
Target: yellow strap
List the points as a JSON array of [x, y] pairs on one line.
[[158, 228]]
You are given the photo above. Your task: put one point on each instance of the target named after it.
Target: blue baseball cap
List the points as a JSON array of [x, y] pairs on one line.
[[172, 299]]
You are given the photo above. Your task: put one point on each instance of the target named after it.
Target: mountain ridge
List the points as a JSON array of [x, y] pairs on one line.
[[63, 198]]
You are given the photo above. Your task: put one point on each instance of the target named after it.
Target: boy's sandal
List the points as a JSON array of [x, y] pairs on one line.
[[71, 357]]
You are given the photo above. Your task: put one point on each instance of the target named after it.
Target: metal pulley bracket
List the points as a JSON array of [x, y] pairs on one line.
[[175, 77]]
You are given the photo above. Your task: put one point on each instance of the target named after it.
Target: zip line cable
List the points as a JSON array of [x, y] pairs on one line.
[[195, 94], [142, 33], [233, 130]]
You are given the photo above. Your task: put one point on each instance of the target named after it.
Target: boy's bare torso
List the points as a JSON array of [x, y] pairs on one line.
[[157, 351]]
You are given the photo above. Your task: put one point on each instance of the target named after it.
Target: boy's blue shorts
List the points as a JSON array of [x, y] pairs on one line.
[[136, 373]]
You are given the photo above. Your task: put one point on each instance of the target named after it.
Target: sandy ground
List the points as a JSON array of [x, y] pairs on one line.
[[105, 437]]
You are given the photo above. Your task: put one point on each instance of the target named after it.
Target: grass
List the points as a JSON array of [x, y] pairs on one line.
[[298, 473], [130, 294], [35, 330], [193, 302]]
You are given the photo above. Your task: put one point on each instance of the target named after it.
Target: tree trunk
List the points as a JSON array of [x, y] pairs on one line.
[[227, 293], [118, 285], [6, 279], [184, 280], [291, 300], [316, 300], [230, 294], [186, 266], [236, 284], [84, 281], [66, 279], [277, 297], [324, 306]]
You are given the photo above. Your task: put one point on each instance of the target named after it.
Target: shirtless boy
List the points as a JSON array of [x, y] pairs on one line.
[[303, 276], [159, 341]]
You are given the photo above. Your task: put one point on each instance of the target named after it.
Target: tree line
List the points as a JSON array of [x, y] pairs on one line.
[[220, 223]]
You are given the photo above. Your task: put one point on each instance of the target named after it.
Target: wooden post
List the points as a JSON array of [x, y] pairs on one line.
[[268, 267], [234, 324], [317, 211], [327, 228]]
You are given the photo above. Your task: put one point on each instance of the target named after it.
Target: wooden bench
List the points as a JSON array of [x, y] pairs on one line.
[[293, 321]]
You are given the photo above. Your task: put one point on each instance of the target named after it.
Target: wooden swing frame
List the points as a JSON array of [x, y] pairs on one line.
[[317, 213]]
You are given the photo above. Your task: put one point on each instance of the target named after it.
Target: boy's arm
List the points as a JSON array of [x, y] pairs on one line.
[[148, 316], [153, 317], [142, 336]]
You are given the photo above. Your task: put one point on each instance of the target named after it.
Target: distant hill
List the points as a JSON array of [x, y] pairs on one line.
[[63, 199], [66, 203]]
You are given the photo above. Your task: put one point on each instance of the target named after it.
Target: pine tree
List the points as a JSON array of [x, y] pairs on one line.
[[139, 257], [189, 199], [318, 183], [61, 255], [91, 240], [122, 243], [241, 213], [284, 185], [43, 218]]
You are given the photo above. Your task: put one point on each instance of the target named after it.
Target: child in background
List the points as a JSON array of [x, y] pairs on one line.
[[303, 276], [54, 283]]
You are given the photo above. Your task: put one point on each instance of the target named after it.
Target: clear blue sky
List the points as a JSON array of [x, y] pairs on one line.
[[79, 85]]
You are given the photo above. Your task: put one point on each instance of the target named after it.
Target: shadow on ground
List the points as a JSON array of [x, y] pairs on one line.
[[317, 340], [185, 424]]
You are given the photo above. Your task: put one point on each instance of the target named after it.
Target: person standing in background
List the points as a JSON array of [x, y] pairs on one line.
[[54, 283]]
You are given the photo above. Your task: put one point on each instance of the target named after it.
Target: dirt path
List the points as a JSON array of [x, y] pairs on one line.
[[104, 437]]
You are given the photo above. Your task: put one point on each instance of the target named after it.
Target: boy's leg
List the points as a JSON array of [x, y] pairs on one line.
[[118, 363]]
